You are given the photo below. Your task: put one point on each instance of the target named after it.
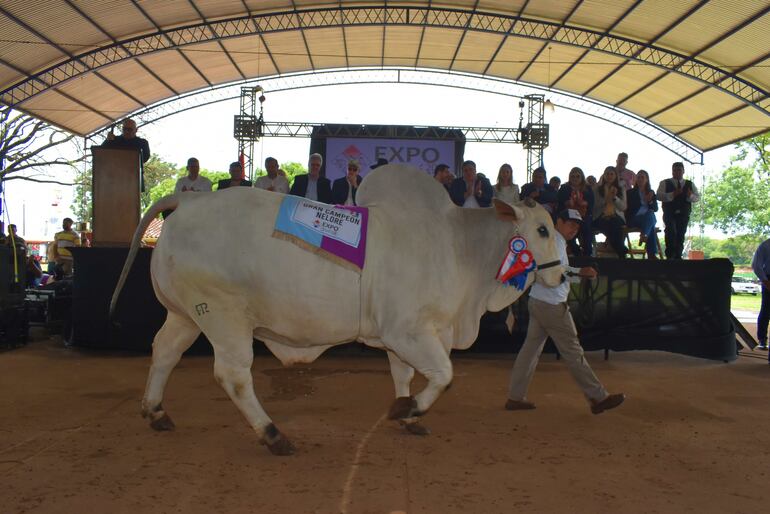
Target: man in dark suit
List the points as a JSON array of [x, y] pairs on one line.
[[472, 189], [677, 196], [129, 139], [236, 178], [344, 189], [312, 185]]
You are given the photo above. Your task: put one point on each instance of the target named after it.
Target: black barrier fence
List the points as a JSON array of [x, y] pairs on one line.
[[676, 306]]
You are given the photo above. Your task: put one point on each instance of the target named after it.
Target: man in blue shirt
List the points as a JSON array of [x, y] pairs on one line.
[[549, 315], [761, 265]]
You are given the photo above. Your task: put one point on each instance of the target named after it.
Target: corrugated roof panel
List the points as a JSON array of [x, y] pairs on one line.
[[664, 92], [759, 74], [288, 50], [599, 14], [174, 70], [268, 5], [91, 90], [137, 81], [213, 9], [170, 13], [501, 6], [742, 124], [213, 62], [327, 47], [650, 18], [23, 49], [704, 27], [476, 51], [623, 83], [438, 47], [551, 63], [364, 45], [698, 109], [742, 48], [548, 10], [514, 56], [251, 55], [401, 45], [585, 73], [63, 112], [118, 17]]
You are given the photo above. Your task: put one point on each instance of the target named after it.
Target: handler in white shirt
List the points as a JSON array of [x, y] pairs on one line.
[[549, 315], [273, 181]]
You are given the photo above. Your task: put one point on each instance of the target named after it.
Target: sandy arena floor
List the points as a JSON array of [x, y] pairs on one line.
[[691, 437]]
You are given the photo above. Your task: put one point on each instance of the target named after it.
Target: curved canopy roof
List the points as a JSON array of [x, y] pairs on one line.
[[697, 68]]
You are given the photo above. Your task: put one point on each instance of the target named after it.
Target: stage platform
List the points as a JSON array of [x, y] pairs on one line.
[[676, 306]]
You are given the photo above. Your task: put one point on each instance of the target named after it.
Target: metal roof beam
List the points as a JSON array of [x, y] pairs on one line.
[[218, 39], [505, 37]]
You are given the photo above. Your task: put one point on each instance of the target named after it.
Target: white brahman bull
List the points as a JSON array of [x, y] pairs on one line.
[[429, 275]]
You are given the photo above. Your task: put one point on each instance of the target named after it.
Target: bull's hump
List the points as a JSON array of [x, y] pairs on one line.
[[402, 185]]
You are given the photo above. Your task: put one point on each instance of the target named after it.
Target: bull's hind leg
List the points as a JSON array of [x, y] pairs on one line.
[[426, 354], [403, 374], [174, 337], [233, 356]]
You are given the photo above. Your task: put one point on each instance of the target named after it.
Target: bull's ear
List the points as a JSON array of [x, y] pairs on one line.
[[507, 212]]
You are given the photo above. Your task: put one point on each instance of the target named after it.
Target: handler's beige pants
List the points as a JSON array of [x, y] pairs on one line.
[[555, 321]]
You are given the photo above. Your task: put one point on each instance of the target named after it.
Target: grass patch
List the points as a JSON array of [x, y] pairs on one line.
[[745, 302]]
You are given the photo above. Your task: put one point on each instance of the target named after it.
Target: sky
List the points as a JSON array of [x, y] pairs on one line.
[[206, 133]]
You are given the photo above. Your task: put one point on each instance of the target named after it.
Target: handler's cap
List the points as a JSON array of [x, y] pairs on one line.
[[571, 215], [381, 161]]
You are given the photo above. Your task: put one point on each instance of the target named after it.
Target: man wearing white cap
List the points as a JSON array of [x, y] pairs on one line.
[[549, 315]]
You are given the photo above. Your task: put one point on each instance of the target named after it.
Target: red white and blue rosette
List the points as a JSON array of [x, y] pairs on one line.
[[517, 264]]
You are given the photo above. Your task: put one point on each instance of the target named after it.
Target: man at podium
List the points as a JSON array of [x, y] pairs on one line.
[[129, 139]]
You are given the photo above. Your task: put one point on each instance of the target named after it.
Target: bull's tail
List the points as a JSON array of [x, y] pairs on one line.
[[165, 203]]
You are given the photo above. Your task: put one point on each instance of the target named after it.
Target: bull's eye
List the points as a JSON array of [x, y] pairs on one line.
[[542, 231]]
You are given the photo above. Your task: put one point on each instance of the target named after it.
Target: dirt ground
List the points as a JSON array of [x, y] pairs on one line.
[[691, 437]]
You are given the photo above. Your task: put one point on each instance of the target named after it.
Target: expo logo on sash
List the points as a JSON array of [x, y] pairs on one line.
[[339, 224]]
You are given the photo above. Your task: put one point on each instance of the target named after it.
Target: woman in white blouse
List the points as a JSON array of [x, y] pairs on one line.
[[505, 189]]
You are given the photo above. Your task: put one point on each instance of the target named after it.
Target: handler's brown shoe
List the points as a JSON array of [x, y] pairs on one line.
[[519, 405], [608, 403]]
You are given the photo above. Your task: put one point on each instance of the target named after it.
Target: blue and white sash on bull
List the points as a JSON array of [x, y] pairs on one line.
[[336, 232]]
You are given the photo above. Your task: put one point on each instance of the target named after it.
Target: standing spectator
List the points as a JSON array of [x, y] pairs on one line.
[[443, 176], [472, 189], [193, 181], [677, 196], [312, 185], [14, 240], [505, 189], [642, 204], [577, 194], [591, 181], [549, 315], [236, 177], [274, 180], [761, 266], [609, 210], [63, 241], [627, 177], [539, 191], [129, 139], [344, 189]]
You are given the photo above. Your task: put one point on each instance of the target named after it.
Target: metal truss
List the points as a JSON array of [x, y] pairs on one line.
[[388, 15], [466, 81]]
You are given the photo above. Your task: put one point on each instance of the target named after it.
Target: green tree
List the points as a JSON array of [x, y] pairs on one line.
[[292, 169], [157, 171], [737, 201]]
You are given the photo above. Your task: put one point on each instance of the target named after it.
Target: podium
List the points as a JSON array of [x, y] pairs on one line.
[[116, 189]]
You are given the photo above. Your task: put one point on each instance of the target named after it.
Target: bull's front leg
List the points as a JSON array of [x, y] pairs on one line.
[[403, 374], [425, 353]]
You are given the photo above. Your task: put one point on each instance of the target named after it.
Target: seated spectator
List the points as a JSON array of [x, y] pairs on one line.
[[555, 183], [193, 181], [505, 189], [576, 194], [591, 181], [472, 189], [275, 180], [609, 208], [236, 178], [312, 185], [642, 205], [344, 189], [540, 191], [34, 272], [443, 175]]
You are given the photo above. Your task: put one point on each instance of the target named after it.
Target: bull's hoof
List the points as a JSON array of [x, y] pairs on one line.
[[403, 407], [282, 447], [415, 428], [163, 423], [276, 442]]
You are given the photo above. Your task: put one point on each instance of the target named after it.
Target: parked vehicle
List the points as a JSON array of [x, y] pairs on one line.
[[744, 285]]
